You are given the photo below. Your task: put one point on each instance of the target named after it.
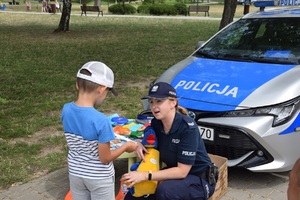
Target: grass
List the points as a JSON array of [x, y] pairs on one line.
[[38, 69]]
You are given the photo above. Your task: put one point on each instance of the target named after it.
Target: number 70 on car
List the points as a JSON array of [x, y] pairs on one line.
[[206, 133]]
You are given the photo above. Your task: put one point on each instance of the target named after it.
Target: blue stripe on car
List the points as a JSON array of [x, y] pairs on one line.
[[218, 85]]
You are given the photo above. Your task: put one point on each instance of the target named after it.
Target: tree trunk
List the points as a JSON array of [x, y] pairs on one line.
[[65, 17], [97, 2], [228, 12]]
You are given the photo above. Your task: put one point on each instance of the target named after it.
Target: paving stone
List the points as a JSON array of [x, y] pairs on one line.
[[242, 185], [278, 195], [257, 188], [238, 194]]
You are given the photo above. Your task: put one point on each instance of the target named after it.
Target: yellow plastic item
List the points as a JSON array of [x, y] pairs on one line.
[[152, 163], [129, 125]]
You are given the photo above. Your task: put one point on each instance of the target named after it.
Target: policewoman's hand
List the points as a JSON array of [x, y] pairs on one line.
[[134, 177]]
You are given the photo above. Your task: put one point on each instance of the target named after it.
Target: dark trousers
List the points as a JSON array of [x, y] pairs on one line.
[[190, 188]]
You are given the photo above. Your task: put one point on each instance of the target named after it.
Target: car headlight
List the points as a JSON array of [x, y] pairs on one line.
[[281, 112]]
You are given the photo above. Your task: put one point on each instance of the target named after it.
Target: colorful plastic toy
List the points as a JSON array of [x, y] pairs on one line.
[[151, 164], [121, 130], [119, 120]]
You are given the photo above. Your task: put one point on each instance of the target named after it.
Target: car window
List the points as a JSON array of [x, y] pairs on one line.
[[273, 40]]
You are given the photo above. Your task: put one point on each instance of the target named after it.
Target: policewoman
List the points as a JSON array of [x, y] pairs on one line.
[[189, 171]]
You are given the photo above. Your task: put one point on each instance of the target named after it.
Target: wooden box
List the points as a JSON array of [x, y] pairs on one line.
[[222, 184]]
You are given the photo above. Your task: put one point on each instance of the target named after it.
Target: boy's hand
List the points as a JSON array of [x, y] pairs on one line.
[[131, 146], [140, 150]]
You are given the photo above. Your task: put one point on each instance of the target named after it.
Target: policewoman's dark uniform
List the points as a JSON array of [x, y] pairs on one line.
[[182, 144]]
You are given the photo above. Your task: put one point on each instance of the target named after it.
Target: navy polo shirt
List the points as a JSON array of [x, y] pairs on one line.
[[182, 144]]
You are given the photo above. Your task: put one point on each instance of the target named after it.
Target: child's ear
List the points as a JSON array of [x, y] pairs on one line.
[[101, 89], [77, 86]]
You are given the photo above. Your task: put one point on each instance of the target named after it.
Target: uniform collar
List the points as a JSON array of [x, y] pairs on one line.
[[175, 125]]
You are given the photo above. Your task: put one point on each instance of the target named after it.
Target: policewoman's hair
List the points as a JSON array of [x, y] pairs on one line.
[[179, 108], [182, 110]]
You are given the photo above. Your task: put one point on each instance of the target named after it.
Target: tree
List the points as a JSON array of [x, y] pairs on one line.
[[97, 2], [65, 17], [64, 24], [228, 12]]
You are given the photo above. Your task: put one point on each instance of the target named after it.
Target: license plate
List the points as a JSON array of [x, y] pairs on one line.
[[206, 133]]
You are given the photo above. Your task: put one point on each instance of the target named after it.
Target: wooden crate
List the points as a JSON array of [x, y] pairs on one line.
[[222, 184]]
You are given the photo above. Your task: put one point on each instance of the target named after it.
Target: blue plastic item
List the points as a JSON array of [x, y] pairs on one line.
[[119, 120]]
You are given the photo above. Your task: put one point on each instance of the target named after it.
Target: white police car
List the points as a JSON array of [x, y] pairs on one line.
[[242, 87], [246, 1]]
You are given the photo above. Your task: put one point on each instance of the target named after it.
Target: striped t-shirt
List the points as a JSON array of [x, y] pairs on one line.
[[84, 128]]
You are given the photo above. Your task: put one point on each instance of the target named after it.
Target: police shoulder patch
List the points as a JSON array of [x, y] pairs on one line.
[[190, 122]]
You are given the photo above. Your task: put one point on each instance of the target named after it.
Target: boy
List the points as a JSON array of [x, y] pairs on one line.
[[88, 133]]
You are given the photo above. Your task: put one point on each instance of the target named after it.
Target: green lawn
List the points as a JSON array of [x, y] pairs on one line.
[[38, 69]]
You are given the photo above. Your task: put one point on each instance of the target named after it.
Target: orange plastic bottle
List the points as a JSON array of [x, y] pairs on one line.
[[68, 196], [122, 191]]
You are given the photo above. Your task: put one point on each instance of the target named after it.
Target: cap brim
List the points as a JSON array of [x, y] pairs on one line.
[[154, 97], [145, 97], [114, 91]]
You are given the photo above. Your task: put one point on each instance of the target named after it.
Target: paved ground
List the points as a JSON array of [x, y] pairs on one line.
[[242, 185]]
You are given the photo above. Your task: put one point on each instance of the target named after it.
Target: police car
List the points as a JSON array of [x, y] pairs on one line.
[[242, 87], [246, 1]]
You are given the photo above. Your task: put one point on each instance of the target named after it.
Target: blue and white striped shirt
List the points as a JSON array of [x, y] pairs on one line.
[[84, 128]]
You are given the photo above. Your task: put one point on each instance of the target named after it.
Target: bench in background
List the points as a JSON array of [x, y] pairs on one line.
[[14, 3], [197, 9], [92, 9]]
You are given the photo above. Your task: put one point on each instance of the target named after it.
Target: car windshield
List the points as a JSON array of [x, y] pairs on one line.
[[271, 40]]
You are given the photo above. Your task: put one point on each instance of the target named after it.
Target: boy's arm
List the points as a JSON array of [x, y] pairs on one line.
[[106, 155]]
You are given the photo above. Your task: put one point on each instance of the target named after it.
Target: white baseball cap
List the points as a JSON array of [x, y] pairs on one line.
[[100, 74]]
